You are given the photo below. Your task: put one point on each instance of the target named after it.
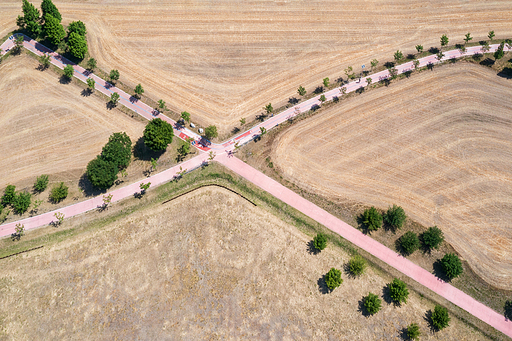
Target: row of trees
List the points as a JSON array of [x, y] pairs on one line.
[[48, 25]]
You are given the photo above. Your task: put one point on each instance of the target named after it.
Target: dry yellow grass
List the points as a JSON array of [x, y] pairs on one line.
[[224, 60], [183, 270], [50, 127], [437, 144]]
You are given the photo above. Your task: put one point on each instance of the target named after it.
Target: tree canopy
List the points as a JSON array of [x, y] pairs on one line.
[[320, 241], [48, 7], [333, 278], [211, 132], [395, 217], [53, 29], [102, 174], [21, 202], [398, 291], [372, 219], [158, 134], [452, 266], [31, 19], [118, 150], [440, 318], [9, 194], [372, 303], [432, 238], [78, 27], [59, 193], [409, 242], [357, 265], [69, 71], [77, 45], [41, 183]]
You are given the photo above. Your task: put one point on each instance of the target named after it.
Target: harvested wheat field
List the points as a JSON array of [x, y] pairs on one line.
[[50, 127], [184, 270], [437, 144], [223, 60]]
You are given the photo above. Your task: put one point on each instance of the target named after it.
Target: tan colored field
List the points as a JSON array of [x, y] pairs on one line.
[[224, 60], [184, 270], [437, 144], [50, 127]]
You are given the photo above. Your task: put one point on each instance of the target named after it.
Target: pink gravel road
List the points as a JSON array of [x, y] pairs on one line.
[[368, 244]]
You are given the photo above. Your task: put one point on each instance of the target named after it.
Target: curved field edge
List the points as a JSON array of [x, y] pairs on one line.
[[216, 175]]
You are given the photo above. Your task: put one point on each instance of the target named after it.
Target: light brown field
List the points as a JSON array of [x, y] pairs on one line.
[[223, 60], [48, 127], [437, 144], [184, 270]]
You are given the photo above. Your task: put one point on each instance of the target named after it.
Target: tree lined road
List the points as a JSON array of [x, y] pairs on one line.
[[225, 157]]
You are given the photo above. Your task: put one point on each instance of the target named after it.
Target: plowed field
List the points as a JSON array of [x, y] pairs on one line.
[[437, 144], [223, 60]]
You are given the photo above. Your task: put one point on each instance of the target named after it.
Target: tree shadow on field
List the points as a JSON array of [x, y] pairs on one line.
[[109, 105], [477, 56], [506, 73], [428, 319], [261, 117], [312, 250], [439, 272], [403, 334], [322, 286], [361, 225], [293, 100], [318, 90], [433, 50], [487, 62], [386, 295], [411, 56], [64, 80], [388, 65], [143, 152], [362, 309], [88, 189], [235, 130], [86, 92]]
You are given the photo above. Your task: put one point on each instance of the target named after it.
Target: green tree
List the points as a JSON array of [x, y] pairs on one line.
[[211, 132], [161, 105], [114, 75], [413, 331], [432, 238], [398, 55], [268, 108], [343, 90], [185, 116], [357, 265], [77, 27], [21, 202], [69, 71], [301, 90], [372, 219], [19, 230], [118, 150], [184, 150], [393, 72], [242, 121], [41, 183], [31, 19], [326, 82], [499, 52], [451, 265], [77, 45], [60, 218], [158, 134], [154, 164], [419, 48], [322, 98], [444, 40], [9, 195], [439, 55], [102, 174], [368, 81], [114, 98], [144, 187], [263, 131], [320, 241], [91, 84], [333, 279], [138, 90], [491, 35], [44, 60], [47, 7], [395, 217], [374, 63], [91, 64], [409, 242], [485, 47], [468, 37], [372, 303], [416, 64], [53, 29], [440, 318], [398, 291], [18, 44], [59, 193], [348, 72]]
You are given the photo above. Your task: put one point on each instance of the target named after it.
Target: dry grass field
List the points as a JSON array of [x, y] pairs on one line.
[[223, 60], [187, 270], [48, 127], [437, 144]]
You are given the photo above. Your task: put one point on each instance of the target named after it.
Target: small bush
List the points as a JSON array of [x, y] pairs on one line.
[[398, 291], [333, 279], [69, 71], [41, 183], [395, 217], [9, 195], [413, 331], [59, 193], [102, 174], [211, 132], [357, 265], [432, 238], [440, 318], [372, 219], [21, 202], [451, 265], [409, 242], [320, 241], [372, 303]]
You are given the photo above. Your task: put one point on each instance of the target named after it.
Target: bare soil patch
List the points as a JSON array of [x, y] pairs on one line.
[[207, 265], [226, 59], [437, 144]]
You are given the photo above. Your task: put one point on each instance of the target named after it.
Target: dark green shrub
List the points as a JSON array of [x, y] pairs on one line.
[[395, 217], [333, 279], [211, 132], [432, 238], [102, 174], [59, 193], [320, 241], [451, 265], [440, 318], [118, 150], [41, 183], [372, 219], [413, 331], [9, 195], [158, 134], [398, 291], [21, 202], [357, 265], [409, 242], [47, 7], [372, 303]]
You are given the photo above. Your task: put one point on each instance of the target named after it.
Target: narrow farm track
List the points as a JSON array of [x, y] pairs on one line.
[[225, 157]]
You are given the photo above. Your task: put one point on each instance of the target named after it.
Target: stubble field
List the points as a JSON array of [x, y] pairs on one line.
[[182, 270], [437, 144], [223, 60]]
